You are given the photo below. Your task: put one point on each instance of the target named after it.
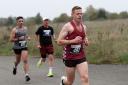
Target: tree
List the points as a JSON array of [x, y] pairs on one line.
[[91, 13], [85, 17], [30, 21], [3, 21], [113, 16], [38, 18], [101, 14], [123, 14], [10, 21], [62, 18]]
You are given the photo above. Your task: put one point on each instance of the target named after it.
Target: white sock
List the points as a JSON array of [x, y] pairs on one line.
[[26, 74], [15, 65], [50, 69]]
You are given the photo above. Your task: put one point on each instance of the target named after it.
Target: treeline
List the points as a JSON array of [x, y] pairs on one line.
[[12, 20], [90, 14], [101, 14]]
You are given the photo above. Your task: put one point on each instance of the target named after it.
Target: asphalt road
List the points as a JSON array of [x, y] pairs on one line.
[[98, 74]]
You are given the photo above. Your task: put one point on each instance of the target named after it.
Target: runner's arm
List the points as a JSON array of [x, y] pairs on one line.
[[63, 33], [12, 36], [86, 42], [37, 39]]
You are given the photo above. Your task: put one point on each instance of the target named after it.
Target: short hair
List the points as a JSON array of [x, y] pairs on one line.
[[19, 17], [76, 8]]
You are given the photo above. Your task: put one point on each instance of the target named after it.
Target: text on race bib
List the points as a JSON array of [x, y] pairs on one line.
[[75, 49], [47, 32], [23, 43]]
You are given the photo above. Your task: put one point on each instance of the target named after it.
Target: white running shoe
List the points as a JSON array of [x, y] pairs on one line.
[[62, 80]]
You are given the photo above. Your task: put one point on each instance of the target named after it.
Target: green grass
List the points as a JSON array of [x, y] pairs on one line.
[[108, 41], [124, 58]]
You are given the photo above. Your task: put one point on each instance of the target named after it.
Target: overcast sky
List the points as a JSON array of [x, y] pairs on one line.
[[53, 8]]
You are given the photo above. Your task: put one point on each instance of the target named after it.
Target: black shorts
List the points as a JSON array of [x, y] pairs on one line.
[[73, 63], [18, 51]]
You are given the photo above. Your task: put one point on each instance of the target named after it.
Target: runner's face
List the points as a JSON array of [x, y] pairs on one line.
[[20, 22], [46, 23], [77, 15]]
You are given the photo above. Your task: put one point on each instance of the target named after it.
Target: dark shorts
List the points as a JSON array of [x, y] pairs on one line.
[[18, 51], [46, 49], [73, 63]]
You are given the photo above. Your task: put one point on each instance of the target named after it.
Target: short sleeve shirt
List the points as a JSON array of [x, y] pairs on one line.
[[45, 35]]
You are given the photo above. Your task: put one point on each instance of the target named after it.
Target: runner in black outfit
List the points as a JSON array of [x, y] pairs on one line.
[[44, 35]]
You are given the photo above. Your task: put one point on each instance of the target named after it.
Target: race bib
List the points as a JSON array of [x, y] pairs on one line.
[[47, 32], [75, 49], [23, 43]]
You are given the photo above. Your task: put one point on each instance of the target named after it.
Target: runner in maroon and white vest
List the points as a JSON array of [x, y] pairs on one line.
[[74, 51], [73, 37]]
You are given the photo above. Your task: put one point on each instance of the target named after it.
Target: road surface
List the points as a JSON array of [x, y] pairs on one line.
[[98, 74]]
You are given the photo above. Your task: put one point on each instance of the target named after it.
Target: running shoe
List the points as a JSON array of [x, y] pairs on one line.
[[14, 70], [50, 74], [27, 78], [39, 63], [62, 80]]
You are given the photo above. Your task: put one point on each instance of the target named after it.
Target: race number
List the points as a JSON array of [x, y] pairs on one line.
[[47, 32], [75, 49], [23, 43]]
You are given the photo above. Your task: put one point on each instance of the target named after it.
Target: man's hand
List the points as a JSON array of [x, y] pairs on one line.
[[28, 38], [77, 39], [38, 45], [86, 41]]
